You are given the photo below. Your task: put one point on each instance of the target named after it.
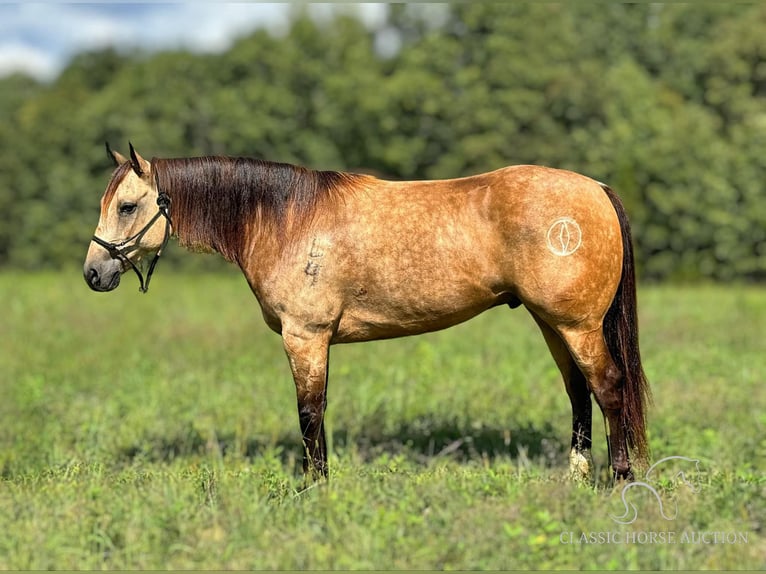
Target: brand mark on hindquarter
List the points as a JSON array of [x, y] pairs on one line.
[[564, 236]]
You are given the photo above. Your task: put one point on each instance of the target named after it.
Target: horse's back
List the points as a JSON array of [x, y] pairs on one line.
[[387, 259]]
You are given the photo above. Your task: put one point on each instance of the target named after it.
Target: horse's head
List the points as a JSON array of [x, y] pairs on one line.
[[129, 227]]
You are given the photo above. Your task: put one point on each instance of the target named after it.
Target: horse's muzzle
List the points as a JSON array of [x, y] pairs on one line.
[[104, 276]]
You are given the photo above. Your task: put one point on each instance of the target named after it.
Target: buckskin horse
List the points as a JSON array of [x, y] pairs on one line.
[[337, 257]]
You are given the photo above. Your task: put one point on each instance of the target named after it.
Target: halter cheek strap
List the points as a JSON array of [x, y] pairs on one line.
[[121, 250]]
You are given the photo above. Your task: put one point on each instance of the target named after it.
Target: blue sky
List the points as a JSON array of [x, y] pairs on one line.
[[39, 38]]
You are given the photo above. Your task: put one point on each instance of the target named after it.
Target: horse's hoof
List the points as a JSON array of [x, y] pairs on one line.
[[623, 475]]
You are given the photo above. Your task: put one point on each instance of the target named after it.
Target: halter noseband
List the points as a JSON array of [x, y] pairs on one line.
[[120, 251]]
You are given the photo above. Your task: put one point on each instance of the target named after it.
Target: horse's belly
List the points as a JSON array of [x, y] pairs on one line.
[[399, 317]]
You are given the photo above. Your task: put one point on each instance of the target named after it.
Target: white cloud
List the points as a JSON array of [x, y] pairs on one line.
[[39, 38], [19, 57], [199, 26]]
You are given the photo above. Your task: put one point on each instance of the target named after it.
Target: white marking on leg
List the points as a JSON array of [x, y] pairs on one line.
[[580, 464]]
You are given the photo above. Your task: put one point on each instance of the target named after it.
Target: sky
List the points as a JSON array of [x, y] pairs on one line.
[[39, 38]]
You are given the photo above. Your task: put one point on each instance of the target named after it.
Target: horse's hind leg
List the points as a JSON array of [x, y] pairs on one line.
[[580, 458], [605, 380]]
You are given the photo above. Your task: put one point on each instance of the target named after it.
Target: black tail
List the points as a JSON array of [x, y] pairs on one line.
[[621, 334]]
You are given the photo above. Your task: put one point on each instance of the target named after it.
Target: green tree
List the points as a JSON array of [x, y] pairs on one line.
[[663, 102]]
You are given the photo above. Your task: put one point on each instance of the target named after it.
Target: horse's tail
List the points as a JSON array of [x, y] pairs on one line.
[[621, 334]]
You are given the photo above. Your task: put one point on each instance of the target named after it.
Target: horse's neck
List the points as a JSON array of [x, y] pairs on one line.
[[245, 208], [228, 204], [204, 210]]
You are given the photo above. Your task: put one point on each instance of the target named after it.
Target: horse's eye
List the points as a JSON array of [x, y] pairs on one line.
[[127, 208]]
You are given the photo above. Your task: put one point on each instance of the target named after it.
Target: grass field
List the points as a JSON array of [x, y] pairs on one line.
[[160, 431]]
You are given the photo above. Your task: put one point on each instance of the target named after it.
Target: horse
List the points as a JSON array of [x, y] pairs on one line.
[[335, 257]]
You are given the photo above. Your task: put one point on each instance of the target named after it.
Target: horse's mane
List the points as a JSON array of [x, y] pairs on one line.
[[215, 200]]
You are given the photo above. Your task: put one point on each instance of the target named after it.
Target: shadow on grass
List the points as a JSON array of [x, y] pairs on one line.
[[422, 440], [428, 438]]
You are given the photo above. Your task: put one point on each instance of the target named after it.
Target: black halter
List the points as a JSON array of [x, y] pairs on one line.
[[120, 251]]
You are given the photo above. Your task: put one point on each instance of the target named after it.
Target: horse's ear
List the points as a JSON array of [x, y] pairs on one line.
[[139, 164], [116, 157]]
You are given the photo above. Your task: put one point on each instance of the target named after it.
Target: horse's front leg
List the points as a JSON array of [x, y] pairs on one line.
[[308, 353]]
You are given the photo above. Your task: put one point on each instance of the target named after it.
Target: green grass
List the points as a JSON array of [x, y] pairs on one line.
[[160, 431]]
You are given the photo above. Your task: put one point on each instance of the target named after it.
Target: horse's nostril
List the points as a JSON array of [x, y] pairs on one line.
[[91, 276]]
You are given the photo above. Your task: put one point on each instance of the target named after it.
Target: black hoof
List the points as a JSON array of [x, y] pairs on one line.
[[624, 475]]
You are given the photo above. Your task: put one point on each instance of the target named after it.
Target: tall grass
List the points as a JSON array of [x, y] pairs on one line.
[[160, 431]]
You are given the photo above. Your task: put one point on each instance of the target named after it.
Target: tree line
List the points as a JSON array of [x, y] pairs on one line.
[[664, 102]]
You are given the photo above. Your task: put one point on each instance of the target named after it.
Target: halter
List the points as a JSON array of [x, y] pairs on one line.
[[120, 251]]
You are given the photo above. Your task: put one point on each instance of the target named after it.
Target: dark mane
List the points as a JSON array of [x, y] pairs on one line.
[[215, 200]]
